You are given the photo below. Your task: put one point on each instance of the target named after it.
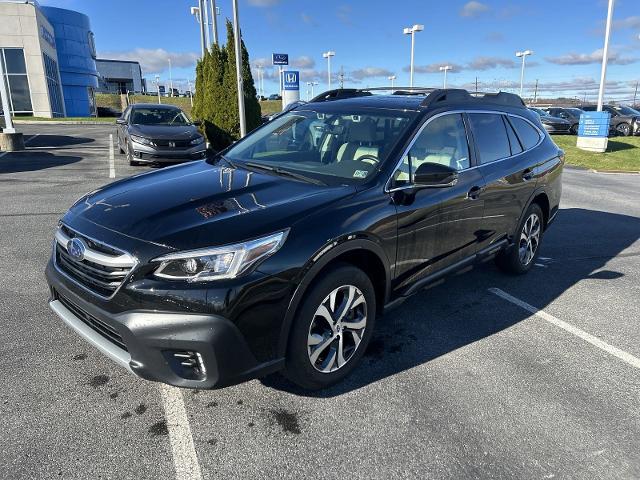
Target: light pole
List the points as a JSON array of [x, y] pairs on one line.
[[236, 35], [190, 92], [4, 94], [260, 83], [445, 69], [412, 31], [391, 78], [523, 55], [605, 56], [214, 20], [328, 56], [170, 79], [197, 13], [312, 84], [158, 87]]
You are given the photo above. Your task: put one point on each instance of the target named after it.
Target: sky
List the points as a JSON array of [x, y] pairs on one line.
[[478, 38]]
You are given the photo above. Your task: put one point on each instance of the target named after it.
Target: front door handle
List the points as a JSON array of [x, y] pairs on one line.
[[527, 174], [475, 192]]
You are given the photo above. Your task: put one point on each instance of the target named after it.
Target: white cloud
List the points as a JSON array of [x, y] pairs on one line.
[[370, 72], [629, 22], [488, 63], [473, 9], [263, 3], [303, 62], [154, 60], [573, 58]]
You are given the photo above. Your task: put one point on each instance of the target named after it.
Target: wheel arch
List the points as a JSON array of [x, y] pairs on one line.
[[363, 253]]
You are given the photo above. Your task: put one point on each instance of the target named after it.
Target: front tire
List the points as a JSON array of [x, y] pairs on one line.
[[624, 129], [522, 255], [332, 329], [130, 157]]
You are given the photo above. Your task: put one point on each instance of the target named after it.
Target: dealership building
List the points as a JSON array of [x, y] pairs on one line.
[[48, 56], [120, 76]]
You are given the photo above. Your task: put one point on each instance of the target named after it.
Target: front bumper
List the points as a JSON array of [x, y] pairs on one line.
[[146, 153], [153, 344]]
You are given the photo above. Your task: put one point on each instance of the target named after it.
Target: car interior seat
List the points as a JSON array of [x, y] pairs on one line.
[[361, 138]]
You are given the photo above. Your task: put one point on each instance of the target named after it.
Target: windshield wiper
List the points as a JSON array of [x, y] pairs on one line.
[[285, 173]]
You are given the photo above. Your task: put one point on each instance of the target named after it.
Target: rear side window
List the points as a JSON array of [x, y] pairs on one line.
[[516, 148], [529, 136], [490, 136]]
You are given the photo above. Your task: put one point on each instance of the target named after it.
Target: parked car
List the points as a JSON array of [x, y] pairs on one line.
[[570, 114], [151, 133], [551, 124], [275, 96], [625, 120], [281, 252]]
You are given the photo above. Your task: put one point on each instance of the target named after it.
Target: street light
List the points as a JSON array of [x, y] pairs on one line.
[[158, 87], [328, 56], [392, 78], [445, 69], [605, 56], [170, 79], [215, 11], [312, 84], [197, 13], [260, 80], [523, 55], [411, 31], [190, 92]]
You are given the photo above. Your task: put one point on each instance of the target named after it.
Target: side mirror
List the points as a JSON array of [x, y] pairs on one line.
[[121, 121], [197, 123], [435, 175]]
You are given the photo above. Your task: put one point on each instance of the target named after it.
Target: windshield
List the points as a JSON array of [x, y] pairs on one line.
[[576, 112], [623, 110], [330, 144], [159, 116], [540, 112]]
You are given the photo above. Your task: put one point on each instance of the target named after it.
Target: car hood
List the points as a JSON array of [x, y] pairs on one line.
[[164, 132], [198, 205]]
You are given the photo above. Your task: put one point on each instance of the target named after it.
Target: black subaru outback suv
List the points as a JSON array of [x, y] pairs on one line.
[[279, 253]]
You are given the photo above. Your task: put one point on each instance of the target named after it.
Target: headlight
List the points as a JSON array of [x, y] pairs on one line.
[[218, 263], [141, 140], [197, 141]]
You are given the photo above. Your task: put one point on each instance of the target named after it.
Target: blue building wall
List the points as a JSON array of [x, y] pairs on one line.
[[76, 59]]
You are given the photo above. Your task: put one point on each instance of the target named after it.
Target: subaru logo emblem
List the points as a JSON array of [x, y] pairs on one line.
[[76, 249]]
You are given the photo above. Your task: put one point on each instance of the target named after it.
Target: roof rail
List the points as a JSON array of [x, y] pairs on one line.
[[452, 95], [341, 93]]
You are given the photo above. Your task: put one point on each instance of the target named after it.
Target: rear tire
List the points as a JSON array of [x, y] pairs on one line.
[[522, 255], [332, 329]]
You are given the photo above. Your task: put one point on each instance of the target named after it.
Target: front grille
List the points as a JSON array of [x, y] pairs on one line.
[[165, 143], [103, 268], [99, 326]]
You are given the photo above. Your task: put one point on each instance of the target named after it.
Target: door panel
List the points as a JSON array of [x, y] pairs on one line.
[[437, 225]]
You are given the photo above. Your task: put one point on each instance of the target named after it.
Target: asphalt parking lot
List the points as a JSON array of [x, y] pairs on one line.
[[461, 381]]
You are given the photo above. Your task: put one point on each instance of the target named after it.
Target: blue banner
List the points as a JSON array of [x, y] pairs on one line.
[[594, 124], [291, 80], [280, 59]]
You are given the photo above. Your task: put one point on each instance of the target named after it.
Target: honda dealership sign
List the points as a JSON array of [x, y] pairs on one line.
[[290, 87]]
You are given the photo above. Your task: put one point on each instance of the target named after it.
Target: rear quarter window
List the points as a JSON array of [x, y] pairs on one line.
[[528, 135]]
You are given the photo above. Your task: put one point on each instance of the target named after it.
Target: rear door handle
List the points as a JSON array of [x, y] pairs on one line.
[[475, 192], [527, 174]]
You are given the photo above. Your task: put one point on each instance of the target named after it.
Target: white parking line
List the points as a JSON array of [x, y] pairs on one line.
[[587, 337], [112, 165], [185, 458]]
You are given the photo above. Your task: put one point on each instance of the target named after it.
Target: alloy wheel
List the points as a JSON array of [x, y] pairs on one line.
[[624, 129], [337, 328], [529, 239]]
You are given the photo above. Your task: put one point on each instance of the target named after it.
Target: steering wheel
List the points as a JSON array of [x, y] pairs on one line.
[[363, 158]]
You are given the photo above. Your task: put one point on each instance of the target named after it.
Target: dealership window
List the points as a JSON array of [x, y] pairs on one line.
[[53, 86], [16, 78]]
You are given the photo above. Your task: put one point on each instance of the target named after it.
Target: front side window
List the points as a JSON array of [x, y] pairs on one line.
[[490, 136], [333, 145], [158, 116]]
